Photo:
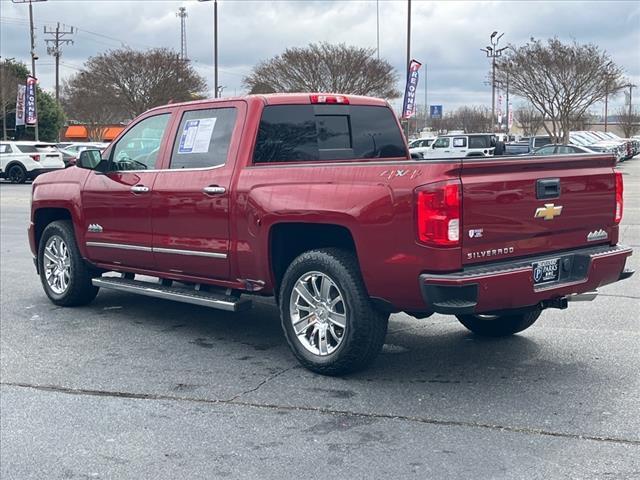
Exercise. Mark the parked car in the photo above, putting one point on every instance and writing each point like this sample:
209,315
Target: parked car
560,149
69,157
314,199
461,145
526,145
420,145
22,161
593,142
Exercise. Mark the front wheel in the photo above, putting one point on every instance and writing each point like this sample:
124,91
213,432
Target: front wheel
499,325
327,316
65,276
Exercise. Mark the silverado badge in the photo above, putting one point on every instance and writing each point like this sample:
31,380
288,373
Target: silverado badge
548,211
94,228
597,235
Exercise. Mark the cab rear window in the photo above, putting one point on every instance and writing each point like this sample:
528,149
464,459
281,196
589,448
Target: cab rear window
300,133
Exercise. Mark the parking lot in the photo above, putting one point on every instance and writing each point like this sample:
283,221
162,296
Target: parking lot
134,387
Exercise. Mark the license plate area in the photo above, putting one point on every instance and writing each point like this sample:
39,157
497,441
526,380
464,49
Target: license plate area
545,271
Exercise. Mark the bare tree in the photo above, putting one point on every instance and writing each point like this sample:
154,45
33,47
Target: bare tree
529,119
629,120
133,81
472,119
323,67
560,80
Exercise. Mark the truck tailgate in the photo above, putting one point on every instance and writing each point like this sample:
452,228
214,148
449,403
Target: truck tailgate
522,206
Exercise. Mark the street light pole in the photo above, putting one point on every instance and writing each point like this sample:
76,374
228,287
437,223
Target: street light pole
493,52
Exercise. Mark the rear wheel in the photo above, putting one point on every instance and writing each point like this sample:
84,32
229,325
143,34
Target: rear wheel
17,174
65,276
499,325
327,316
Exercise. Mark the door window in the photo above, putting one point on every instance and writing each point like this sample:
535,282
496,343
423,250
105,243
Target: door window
460,142
138,148
441,143
203,138
5,148
563,149
549,150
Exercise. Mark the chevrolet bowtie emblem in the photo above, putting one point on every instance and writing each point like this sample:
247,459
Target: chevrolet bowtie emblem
548,211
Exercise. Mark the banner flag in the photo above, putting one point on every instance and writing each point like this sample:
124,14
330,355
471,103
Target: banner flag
20,105
499,109
409,104
31,114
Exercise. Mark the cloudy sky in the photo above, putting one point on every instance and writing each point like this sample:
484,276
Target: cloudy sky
446,36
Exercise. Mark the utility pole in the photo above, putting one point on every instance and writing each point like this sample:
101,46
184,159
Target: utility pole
493,52
215,46
182,14
34,56
408,53
378,29
55,50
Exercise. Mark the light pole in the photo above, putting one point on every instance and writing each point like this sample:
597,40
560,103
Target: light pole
215,46
493,52
34,57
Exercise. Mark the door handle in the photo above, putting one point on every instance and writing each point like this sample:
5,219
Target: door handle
140,189
214,190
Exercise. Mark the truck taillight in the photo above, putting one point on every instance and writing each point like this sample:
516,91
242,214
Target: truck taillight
329,99
438,213
619,197
35,158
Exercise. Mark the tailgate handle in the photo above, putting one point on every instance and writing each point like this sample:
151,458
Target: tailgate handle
547,188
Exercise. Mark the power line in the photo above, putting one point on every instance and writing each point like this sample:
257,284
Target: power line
53,48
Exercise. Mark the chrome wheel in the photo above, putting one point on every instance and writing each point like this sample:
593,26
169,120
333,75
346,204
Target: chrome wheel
57,265
318,313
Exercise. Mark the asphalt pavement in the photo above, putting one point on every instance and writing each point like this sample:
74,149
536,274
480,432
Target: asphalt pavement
133,387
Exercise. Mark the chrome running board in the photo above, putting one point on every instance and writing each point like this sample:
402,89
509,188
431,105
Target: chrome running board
222,300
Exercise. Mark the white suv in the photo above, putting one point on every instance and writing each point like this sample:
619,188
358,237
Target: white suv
463,145
420,145
22,161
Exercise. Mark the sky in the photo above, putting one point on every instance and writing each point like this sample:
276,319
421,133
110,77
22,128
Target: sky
445,36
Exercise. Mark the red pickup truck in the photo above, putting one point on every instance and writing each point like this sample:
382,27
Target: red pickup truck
314,199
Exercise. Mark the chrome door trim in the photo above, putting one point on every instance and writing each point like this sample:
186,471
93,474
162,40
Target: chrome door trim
195,253
122,246
175,251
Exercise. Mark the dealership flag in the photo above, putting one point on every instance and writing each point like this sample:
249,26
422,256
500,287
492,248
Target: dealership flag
31,115
499,109
510,119
409,105
20,105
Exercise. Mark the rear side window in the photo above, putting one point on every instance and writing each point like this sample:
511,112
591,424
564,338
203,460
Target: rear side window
203,138
479,142
294,133
460,142
5,148
27,148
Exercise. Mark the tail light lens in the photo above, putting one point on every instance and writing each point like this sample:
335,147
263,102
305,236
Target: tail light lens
438,213
35,158
619,197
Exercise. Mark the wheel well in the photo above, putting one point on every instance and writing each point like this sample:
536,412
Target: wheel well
288,240
44,216
15,162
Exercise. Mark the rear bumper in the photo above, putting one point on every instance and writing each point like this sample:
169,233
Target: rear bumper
510,285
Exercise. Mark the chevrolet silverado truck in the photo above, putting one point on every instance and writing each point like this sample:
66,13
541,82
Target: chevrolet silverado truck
314,199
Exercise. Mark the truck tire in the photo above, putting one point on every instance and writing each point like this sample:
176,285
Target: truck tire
499,325
17,174
65,276
327,316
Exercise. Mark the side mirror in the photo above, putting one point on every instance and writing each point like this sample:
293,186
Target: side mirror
89,159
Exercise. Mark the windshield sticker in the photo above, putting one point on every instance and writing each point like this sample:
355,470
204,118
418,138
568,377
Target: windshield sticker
196,135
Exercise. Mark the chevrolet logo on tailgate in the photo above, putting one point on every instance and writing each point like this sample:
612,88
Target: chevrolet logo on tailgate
548,212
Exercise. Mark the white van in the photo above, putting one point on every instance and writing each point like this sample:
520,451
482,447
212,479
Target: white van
465,145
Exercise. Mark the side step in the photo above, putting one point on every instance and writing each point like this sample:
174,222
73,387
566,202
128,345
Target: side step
220,300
